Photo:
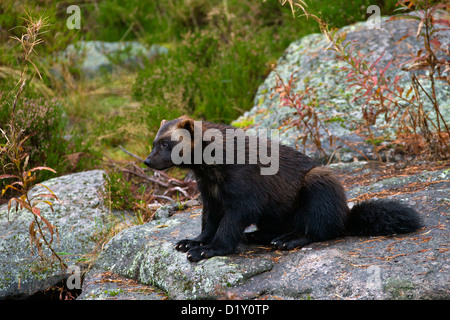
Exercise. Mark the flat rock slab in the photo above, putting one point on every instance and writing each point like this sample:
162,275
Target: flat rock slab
141,263
96,57
105,285
411,266
146,253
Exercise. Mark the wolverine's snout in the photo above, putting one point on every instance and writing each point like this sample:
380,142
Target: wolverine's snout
148,162
157,162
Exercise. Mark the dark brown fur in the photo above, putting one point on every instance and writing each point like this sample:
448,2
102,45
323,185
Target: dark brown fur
300,204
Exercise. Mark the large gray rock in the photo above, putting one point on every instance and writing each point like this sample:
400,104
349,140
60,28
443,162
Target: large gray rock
411,266
105,285
79,217
141,263
146,253
320,70
94,58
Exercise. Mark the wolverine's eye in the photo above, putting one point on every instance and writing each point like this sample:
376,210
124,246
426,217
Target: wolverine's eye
164,144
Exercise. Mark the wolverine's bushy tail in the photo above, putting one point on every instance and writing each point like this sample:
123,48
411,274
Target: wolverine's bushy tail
382,217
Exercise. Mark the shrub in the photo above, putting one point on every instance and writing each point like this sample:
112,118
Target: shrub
215,70
382,96
117,193
225,52
45,122
14,158
204,77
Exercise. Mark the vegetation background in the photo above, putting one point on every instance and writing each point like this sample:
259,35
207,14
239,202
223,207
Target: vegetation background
219,53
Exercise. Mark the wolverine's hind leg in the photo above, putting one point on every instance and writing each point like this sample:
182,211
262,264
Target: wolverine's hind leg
321,214
290,241
268,227
259,237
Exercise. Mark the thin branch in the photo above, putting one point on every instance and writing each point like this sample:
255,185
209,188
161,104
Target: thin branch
131,154
166,185
48,244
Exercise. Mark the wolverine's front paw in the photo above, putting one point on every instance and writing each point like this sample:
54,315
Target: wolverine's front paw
186,245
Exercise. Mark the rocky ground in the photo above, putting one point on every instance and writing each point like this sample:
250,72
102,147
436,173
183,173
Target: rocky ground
412,266
140,262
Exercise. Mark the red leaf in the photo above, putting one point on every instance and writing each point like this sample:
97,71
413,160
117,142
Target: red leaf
385,68
45,195
374,80
437,7
378,60
36,211
442,21
51,228
435,42
19,201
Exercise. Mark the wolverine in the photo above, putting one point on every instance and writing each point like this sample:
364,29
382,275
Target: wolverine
297,203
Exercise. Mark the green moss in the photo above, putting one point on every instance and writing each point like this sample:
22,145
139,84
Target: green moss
399,289
243,123
113,293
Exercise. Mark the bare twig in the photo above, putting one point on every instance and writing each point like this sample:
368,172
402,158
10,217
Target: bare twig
131,154
163,197
145,177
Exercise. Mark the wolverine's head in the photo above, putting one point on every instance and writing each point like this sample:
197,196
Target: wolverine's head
196,144
161,156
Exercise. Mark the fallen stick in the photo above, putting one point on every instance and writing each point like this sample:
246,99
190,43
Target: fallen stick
166,185
131,154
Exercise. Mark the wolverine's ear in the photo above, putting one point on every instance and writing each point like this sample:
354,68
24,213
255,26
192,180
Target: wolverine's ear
187,123
163,122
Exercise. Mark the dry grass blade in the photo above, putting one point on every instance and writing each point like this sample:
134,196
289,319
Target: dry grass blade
39,85
28,41
40,168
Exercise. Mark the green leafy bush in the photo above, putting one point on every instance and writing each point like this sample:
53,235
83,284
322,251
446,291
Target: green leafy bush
204,77
45,122
117,193
213,72
225,52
